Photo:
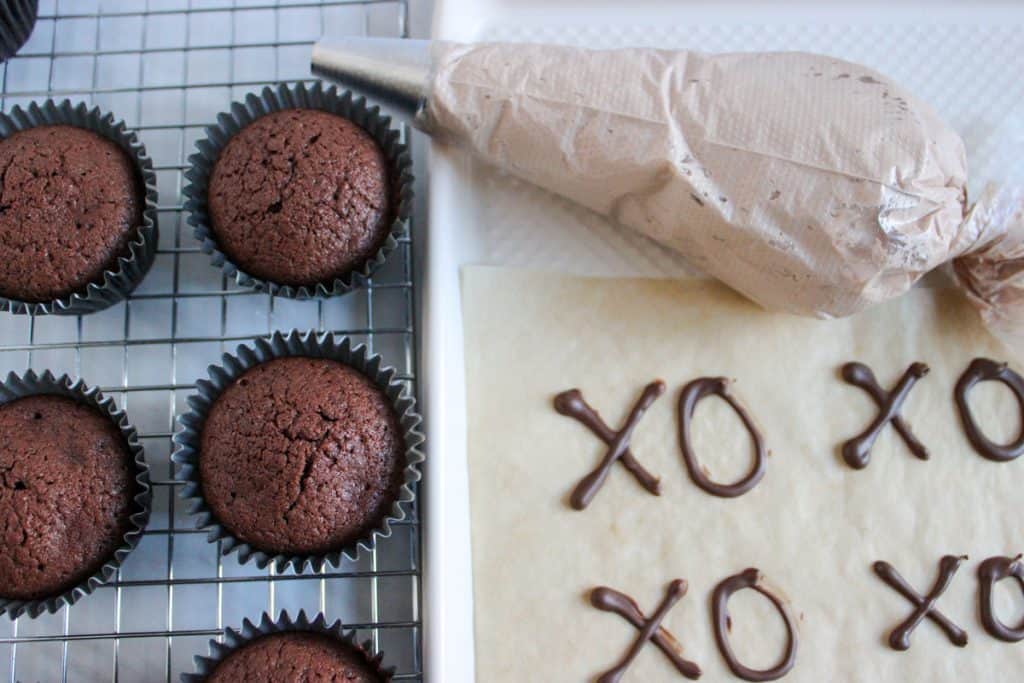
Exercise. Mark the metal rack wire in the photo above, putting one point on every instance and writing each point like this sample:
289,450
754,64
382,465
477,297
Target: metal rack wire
168,67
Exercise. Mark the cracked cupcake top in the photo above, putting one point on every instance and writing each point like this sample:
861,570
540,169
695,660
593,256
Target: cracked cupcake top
70,201
295,657
301,456
66,487
300,197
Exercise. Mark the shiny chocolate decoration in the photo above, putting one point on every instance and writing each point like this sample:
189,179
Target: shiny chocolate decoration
857,451
611,600
750,578
984,370
691,396
924,606
571,404
992,570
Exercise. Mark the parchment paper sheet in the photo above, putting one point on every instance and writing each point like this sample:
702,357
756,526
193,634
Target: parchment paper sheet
813,525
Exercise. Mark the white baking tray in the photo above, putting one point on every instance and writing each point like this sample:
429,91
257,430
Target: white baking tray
965,57
167,67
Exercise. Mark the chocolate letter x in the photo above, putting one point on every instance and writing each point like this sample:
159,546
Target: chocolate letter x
857,451
899,639
571,403
611,600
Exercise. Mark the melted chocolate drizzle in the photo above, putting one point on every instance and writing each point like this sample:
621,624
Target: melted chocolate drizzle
857,451
750,578
983,370
571,404
611,600
924,606
992,570
691,396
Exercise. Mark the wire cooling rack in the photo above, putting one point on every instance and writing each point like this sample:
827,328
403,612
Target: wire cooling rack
167,67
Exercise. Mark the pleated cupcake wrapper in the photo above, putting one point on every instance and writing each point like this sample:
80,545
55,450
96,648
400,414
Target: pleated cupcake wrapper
17,19
117,282
304,344
234,639
298,96
30,384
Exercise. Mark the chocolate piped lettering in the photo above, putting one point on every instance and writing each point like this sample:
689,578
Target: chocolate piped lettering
984,370
750,578
991,571
691,396
924,606
611,600
571,404
857,451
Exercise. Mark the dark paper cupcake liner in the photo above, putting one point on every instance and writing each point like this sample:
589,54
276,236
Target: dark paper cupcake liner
307,344
17,19
234,639
298,96
20,386
116,282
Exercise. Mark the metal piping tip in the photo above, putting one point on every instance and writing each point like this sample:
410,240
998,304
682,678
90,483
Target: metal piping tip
392,70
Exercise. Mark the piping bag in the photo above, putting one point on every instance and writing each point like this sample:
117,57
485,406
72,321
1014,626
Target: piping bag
809,184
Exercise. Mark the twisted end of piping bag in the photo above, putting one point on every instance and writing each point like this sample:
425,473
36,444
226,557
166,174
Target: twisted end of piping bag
992,272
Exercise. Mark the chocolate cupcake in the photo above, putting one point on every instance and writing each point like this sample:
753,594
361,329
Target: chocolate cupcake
296,657
299,450
71,203
300,196
77,210
300,456
289,651
300,192
17,19
74,491
67,486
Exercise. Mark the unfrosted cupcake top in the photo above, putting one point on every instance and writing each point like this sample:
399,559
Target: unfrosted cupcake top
297,657
300,197
66,490
301,456
70,202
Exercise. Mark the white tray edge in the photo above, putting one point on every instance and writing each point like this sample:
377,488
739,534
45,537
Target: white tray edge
448,576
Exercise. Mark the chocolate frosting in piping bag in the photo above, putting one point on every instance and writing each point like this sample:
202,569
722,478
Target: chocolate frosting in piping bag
809,184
